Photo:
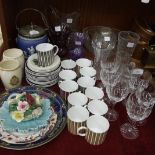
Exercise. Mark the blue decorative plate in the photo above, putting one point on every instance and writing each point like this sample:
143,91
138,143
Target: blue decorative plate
58,106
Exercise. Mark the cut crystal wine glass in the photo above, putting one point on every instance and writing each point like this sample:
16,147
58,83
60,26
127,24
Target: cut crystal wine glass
138,109
116,94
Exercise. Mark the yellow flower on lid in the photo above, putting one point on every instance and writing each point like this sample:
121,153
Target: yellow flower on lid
18,116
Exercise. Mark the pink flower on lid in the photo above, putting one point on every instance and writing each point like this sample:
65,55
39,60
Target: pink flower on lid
22,106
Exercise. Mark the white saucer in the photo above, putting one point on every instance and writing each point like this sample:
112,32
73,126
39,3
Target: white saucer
45,84
34,67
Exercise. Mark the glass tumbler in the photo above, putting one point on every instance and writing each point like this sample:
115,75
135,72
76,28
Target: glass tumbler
127,41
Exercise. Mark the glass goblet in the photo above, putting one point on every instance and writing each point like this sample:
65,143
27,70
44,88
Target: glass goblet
116,94
109,78
137,110
135,78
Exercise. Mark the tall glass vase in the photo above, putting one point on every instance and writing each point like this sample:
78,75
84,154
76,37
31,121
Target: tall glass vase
127,42
101,41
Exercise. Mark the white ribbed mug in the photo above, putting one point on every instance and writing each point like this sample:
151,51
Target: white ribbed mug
11,74
15,54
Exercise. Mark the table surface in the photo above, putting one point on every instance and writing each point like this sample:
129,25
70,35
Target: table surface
114,144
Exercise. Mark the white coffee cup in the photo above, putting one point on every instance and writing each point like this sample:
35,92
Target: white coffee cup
68,64
76,117
95,130
97,107
83,62
46,53
85,82
77,98
67,87
11,74
88,71
16,54
67,75
94,93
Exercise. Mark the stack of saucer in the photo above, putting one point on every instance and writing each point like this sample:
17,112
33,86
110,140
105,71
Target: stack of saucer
42,76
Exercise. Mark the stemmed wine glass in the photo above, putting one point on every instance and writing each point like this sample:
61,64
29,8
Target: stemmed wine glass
144,82
138,109
135,78
116,93
109,79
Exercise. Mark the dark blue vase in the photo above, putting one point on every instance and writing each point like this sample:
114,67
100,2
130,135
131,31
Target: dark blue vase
76,53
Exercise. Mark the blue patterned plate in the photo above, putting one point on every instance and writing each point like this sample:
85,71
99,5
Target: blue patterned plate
59,108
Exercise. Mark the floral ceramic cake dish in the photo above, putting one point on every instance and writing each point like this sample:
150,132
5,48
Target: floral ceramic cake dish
30,115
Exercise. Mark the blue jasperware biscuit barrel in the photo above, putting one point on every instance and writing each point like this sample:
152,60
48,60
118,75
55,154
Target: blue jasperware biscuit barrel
29,36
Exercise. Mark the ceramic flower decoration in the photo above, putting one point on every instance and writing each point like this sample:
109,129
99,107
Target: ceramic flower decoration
25,106
17,115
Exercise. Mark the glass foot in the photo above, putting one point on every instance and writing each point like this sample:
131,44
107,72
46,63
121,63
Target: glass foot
111,115
129,131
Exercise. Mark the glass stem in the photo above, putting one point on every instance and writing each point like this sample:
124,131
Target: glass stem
112,105
133,123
